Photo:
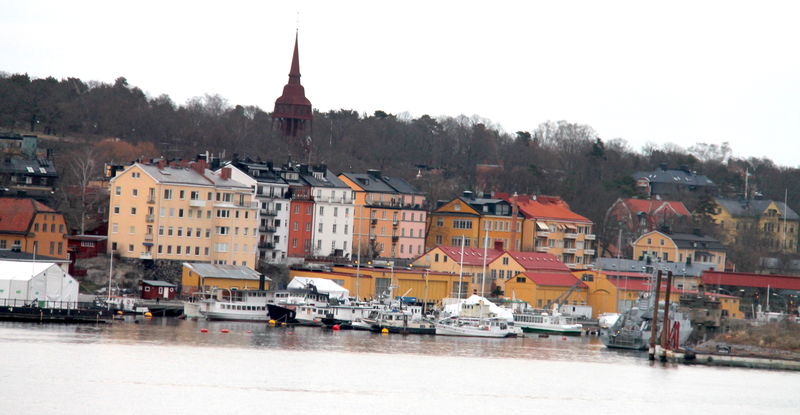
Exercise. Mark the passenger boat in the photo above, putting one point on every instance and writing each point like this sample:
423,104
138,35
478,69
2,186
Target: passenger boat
243,305
548,322
345,315
474,327
297,306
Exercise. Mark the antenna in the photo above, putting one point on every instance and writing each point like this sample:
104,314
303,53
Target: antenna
297,23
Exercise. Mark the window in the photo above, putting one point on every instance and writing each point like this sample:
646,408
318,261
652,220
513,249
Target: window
334,228
114,227
180,213
505,260
117,191
130,248
320,227
223,213
438,239
169,249
345,229
133,211
169,231
194,195
178,250
321,209
308,227
462,224
180,230
36,227
223,230
182,195
134,192
167,194
160,249
161,230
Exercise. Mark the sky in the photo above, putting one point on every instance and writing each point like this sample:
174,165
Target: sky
678,72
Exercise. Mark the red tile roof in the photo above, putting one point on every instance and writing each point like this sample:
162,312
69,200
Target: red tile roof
638,284
538,261
16,215
651,206
558,279
741,279
472,256
544,207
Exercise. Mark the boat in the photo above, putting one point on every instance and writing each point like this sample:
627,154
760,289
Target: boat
399,321
241,305
475,320
545,321
348,316
633,328
297,306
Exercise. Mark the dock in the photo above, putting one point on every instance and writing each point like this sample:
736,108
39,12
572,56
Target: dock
72,313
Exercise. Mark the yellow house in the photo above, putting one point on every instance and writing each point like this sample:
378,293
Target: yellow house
182,212
680,247
32,227
206,277
541,289
775,223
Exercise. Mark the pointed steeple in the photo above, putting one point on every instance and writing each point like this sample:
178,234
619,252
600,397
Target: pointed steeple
293,109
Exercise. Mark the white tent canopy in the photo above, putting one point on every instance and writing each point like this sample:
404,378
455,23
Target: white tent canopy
324,286
454,309
26,282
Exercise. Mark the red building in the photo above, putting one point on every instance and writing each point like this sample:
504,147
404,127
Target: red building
152,289
86,246
301,219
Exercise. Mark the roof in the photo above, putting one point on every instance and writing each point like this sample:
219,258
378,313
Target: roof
16,215
18,256
472,256
374,181
156,283
544,207
692,241
611,265
87,237
186,175
329,180
16,270
558,279
674,176
238,272
654,206
538,261
29,167
741,279
754,208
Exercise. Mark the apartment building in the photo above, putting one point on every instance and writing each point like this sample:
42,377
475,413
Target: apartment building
389,218
770,223
688,248
473,217
30,226
333,212
182,212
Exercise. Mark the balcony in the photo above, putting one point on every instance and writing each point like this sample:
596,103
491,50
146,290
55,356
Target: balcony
150,218
395,223
266,245
571,235
571,265
151,201
146,255
270,229
570,250
373,222
542,248
589,237
197,203
148,237
542,234
268,212
395,238
588,251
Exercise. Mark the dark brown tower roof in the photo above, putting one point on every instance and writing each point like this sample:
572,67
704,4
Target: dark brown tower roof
293,109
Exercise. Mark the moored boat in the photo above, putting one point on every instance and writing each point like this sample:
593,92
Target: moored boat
474,327
548,322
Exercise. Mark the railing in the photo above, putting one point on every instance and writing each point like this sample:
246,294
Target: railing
266,245
271,229
570,250
395,223
589,236
373,222
197,203
66,305
542,248
150,218
262,228
146,255
571,265
269,212
588,251
543,234
151,201
571,235
395,238
148,237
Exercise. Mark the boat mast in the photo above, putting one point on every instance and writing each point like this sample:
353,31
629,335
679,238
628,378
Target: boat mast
485,249
461,267
358,261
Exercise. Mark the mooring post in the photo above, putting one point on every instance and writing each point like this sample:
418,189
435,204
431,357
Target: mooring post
654,321
665,328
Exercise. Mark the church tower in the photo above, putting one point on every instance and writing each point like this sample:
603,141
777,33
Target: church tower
292,114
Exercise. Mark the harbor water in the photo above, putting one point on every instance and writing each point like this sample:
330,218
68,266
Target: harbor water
168,366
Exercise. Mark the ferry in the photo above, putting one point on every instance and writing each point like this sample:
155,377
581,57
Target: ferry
242,305
474,327
548,322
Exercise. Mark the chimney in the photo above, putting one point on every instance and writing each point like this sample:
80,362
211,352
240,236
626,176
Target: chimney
225,173
498,244
199,166
161,164
467,195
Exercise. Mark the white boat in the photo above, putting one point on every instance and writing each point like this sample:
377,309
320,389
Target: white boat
405,321
607,320
548,322
474,327
243,305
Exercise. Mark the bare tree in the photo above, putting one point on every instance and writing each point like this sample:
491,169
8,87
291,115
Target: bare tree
82,168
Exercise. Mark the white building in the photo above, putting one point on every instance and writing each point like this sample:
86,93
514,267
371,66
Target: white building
333,213
43,283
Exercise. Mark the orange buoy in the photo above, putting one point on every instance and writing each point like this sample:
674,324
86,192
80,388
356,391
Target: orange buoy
336,327
224,331
203,330
249,331
564,338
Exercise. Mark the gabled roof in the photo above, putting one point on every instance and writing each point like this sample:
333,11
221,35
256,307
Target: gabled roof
157,283
29,167
754,208
544,208
18,256
652,207
16,215
692,241
557,279
779,282
238,272
538,261
674,176
472,256
329,180
186,176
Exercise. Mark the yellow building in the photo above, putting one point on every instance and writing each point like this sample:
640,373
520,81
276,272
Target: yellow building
206,277
32,227
182,213
521,222
542,289
774,223
680,247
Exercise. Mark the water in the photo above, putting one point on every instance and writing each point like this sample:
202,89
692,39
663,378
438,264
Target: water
166,366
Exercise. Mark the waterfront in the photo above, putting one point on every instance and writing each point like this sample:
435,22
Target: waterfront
168,366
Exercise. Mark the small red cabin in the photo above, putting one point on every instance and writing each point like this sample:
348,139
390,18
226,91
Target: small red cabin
86,246
152,289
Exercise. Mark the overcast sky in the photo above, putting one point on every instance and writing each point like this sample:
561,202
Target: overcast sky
679,72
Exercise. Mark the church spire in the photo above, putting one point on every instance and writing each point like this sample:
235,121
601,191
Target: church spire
293,109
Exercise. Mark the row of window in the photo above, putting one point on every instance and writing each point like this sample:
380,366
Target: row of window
414,218
193,194
196,232
52,227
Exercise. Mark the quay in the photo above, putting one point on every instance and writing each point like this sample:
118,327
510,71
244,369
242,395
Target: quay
54,312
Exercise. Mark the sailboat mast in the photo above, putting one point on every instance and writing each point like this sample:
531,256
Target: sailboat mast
461,267
485,249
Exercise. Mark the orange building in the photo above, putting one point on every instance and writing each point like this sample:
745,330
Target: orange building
32,227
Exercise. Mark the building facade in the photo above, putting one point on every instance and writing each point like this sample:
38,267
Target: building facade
680,247
30,226
770,223
184,213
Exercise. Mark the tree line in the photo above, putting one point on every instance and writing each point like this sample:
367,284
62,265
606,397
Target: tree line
441,155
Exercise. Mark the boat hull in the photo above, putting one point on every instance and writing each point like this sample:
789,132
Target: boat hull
472,332
230,316
281,314
552,330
